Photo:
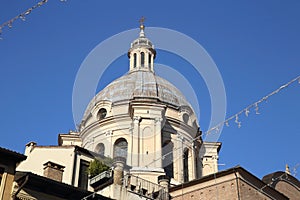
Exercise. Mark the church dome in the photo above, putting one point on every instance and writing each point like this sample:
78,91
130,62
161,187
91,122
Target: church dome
140,81
140,84
140,117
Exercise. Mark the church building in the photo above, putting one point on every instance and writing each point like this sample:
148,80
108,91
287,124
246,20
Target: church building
145,130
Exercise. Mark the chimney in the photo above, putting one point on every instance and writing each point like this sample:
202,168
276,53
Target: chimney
29,147
53,171
119,163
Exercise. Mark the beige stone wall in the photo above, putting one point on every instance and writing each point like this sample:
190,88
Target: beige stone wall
143,126
38,156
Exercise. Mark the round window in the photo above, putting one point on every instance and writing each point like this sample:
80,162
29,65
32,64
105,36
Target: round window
102,113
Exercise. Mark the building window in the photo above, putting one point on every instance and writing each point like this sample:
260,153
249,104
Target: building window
100,149
142,59
186,165
102,113
149,60
134,60
83,175
185,118
168,158
120,148
1,174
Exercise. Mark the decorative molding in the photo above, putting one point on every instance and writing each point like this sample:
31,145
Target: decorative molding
109,133
158,119
137,119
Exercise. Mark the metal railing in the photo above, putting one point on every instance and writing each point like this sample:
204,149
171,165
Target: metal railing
144,187
105,174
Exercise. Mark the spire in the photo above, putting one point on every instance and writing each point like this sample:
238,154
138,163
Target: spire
142,26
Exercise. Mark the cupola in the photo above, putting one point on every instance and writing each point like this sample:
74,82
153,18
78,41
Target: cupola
141,53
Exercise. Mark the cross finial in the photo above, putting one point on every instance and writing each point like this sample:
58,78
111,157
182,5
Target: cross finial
142,20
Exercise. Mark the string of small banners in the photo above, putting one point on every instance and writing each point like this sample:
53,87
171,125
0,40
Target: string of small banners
22,16
235,117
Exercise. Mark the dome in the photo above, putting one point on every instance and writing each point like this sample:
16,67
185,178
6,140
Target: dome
140,81
140,84
142,41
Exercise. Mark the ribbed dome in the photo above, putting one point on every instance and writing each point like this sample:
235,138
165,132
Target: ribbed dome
142,41
140,84
141,81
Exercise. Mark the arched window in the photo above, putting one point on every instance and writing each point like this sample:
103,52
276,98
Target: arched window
186,165
149,60
120,148
167,153
142,59
134,60
102,113
100,149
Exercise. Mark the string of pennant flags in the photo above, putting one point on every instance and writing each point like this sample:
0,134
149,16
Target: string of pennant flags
22,16
234,118
247,109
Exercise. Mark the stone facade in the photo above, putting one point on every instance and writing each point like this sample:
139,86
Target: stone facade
232,184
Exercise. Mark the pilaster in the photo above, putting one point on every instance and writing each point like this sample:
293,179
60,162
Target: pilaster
158,142
135,140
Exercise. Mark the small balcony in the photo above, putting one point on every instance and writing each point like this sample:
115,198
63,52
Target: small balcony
100,179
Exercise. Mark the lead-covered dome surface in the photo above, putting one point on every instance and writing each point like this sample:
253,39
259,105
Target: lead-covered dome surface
141,81
140,84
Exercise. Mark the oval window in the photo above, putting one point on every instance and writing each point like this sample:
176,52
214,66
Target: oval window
185,118
102,113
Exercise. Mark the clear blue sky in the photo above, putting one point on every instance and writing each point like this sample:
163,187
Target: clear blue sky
255,44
